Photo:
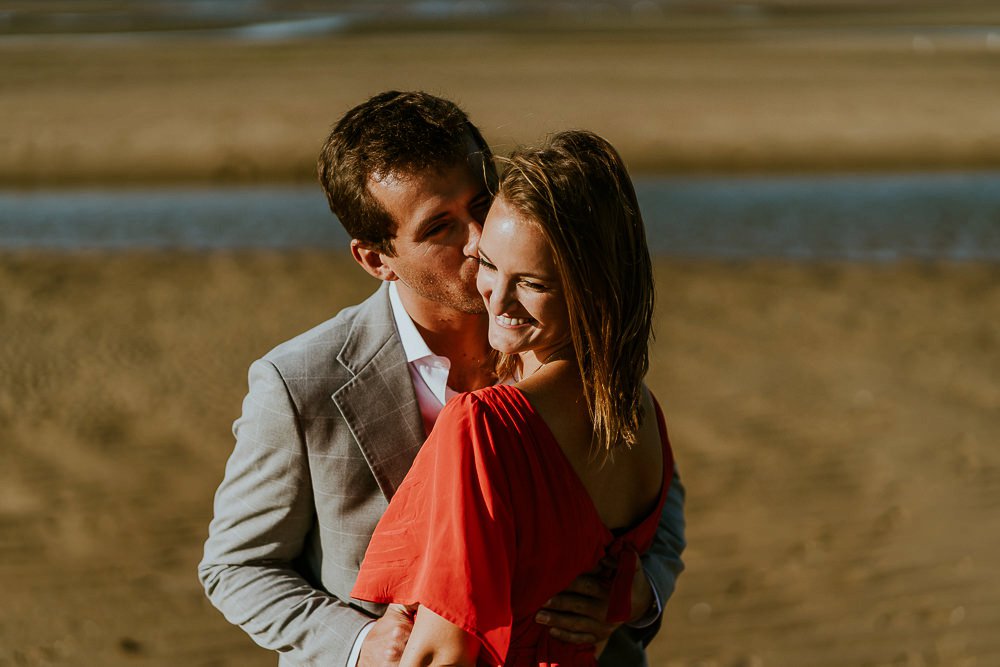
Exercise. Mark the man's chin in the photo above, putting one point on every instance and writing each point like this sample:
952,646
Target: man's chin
460,302
470,302
474,307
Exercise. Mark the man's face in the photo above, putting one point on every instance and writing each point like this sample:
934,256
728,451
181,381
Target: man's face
439,218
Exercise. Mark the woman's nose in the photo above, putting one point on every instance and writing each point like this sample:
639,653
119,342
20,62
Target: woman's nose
500,298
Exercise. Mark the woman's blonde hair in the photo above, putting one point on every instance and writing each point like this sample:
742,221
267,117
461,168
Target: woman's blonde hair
576,189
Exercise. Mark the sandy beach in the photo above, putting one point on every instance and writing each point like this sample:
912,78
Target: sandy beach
835,425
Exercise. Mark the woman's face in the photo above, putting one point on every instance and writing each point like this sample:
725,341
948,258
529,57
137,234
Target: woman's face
520,286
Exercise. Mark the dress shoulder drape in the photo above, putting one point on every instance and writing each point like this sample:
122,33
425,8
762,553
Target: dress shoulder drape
490,522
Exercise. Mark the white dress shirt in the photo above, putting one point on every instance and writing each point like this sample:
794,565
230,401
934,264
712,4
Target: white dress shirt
428,371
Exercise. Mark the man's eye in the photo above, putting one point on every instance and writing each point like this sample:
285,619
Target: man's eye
436,229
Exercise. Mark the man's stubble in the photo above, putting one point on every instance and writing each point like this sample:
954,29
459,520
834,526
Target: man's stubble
458,293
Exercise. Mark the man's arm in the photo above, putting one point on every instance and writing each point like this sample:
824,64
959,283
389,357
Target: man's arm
578,614
662,564
264,509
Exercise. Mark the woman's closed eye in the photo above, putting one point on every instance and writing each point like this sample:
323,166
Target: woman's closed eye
530,284
486,264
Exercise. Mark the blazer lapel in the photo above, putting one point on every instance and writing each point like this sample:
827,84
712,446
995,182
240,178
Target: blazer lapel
378,403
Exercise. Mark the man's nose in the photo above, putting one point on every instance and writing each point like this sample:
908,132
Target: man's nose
475,232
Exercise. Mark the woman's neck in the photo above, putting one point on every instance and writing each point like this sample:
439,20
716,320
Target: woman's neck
533,361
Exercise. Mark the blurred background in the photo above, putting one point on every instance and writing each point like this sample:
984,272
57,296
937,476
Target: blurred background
820,181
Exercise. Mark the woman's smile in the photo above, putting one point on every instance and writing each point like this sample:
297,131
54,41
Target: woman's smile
513,322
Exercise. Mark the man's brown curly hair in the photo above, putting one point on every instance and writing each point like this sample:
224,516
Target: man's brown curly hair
394,132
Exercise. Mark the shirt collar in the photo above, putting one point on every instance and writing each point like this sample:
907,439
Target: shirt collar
413,343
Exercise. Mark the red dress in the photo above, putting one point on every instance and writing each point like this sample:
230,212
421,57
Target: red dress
490,522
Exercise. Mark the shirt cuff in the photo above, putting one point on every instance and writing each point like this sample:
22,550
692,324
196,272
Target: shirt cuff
352,660
652,614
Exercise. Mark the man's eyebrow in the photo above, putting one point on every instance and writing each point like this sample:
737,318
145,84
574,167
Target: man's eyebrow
483,196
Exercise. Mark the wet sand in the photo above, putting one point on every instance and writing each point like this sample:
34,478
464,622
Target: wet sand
835,425
717,90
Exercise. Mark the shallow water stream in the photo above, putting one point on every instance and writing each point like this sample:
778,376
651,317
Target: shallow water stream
858,217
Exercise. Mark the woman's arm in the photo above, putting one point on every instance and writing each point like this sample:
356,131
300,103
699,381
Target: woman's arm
435,641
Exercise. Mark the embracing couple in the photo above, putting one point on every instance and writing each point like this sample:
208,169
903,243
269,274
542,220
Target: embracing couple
466,468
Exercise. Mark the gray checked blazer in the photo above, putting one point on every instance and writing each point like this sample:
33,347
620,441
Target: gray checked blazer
330,426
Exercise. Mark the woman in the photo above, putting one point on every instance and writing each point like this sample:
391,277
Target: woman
522,487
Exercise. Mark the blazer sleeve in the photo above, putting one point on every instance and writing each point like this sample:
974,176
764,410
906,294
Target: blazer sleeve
264,509
662,563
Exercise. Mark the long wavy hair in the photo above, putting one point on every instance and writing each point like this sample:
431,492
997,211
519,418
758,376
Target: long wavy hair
577,190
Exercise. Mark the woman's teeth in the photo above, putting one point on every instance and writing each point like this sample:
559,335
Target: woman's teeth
512,321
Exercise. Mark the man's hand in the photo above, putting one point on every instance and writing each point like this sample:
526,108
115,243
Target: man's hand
386,640
642,595
579,614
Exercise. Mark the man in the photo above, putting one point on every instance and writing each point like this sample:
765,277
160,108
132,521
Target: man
335,416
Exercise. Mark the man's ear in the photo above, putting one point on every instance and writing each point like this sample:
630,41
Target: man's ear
371,261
